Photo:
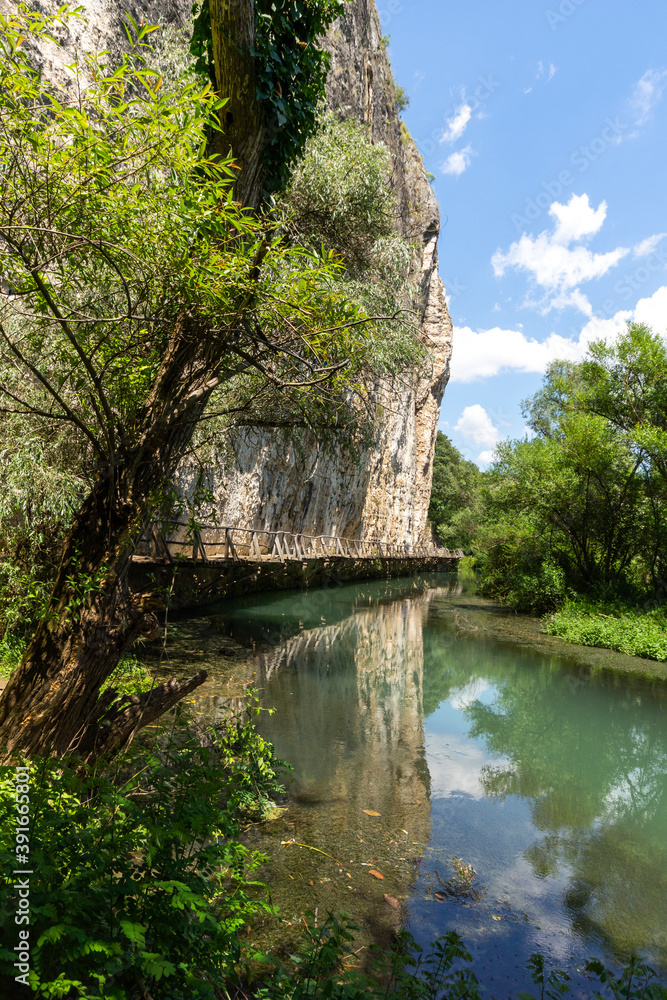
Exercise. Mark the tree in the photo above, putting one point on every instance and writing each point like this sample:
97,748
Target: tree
625,382
569,508
455,496
266,55
134,286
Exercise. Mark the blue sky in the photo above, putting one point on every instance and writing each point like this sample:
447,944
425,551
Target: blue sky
545,125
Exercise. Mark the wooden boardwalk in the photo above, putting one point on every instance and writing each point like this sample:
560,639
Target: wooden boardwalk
212,544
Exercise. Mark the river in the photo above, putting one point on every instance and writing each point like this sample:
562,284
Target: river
453,768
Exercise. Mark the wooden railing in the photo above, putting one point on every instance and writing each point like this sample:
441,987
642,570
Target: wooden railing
210,543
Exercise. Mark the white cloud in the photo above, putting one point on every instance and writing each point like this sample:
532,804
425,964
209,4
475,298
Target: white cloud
550,73
457,163
553,266
599,328
653,311
463,697
486,457
648,245
577,219
551,262
476,425
457,124
575,299
485,353
646,94
542,71
455,766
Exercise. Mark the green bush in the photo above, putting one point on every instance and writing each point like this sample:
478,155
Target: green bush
338,201
611,626
130,677
338,193
11,651
141,885
519,569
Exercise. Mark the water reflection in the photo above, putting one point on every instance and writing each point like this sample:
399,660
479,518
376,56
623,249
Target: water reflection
350,717
348,700
589,759
463,730
593,765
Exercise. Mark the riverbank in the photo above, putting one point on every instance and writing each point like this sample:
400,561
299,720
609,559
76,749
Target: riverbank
502,624
611,625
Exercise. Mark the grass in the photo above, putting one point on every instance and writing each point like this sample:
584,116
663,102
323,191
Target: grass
131,676
636,631
11,651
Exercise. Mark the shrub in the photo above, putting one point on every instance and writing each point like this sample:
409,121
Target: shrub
338,193
402,99
143,885
519,570
611,626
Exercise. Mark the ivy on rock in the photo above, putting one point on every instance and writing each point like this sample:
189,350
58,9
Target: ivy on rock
290,72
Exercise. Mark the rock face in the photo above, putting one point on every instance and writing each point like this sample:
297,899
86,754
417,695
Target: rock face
266,482
260,479
100,29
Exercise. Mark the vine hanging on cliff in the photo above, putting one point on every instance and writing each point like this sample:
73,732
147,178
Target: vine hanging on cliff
291,70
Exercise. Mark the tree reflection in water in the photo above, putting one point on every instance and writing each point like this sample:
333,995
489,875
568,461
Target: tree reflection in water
590,756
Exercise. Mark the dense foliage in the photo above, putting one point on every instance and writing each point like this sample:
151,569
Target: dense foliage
455,507
637,631
572,520
581,507
291,69
143,885
338,201
128,223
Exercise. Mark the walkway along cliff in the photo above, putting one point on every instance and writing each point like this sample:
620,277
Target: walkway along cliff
260,480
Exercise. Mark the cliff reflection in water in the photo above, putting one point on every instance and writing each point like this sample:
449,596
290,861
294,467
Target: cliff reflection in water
472,735
351,720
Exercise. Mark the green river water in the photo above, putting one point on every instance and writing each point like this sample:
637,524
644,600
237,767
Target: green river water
430,730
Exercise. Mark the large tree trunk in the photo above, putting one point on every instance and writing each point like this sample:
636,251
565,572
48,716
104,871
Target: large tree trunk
51,703
233,30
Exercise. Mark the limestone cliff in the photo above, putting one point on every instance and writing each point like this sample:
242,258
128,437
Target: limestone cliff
260,479
384,494
98,29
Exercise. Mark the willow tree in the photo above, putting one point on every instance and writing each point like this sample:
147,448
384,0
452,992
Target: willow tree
135,283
